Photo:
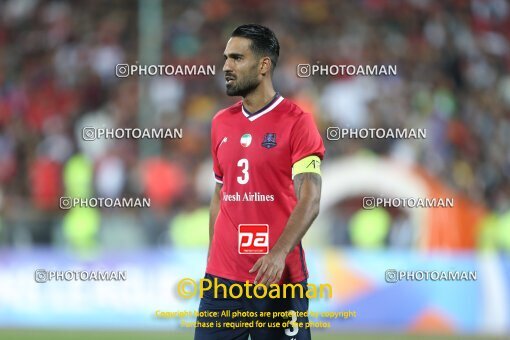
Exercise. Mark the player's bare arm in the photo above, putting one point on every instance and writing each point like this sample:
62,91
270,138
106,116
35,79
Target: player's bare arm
214,208
307,187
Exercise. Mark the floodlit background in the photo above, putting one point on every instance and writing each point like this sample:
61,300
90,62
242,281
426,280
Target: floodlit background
57,75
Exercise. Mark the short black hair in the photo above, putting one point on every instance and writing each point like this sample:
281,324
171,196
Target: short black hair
263,41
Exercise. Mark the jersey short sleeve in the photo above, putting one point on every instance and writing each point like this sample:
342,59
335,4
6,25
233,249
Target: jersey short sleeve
305,139
218,173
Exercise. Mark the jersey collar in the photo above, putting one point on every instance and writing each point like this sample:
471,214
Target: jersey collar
266,109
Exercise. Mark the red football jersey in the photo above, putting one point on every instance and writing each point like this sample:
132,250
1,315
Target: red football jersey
253,154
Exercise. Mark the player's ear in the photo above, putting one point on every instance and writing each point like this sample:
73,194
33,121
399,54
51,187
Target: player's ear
265,65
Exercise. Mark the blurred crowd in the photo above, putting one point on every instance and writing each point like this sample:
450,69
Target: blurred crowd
57,75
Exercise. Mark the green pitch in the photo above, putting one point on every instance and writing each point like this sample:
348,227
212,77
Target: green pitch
135,335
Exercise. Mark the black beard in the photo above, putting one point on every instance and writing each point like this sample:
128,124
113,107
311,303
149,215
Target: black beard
242,88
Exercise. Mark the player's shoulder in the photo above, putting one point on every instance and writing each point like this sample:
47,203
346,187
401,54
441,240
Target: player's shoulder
228,111
293,111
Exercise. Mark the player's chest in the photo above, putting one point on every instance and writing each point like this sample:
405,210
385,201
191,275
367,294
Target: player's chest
262,146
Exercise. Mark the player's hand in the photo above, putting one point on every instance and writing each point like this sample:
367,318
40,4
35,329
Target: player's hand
270,267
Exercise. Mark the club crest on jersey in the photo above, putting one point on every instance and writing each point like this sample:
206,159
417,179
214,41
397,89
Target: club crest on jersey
246,140
269,140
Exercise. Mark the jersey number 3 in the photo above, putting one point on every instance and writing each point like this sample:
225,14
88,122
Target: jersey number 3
244,165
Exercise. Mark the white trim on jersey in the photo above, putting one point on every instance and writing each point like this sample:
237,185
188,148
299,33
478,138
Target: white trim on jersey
260,114
216,179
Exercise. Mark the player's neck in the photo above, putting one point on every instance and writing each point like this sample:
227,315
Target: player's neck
258,98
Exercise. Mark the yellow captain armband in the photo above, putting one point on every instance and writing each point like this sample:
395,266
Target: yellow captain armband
307,164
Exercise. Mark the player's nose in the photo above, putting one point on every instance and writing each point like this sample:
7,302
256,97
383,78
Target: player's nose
227,66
